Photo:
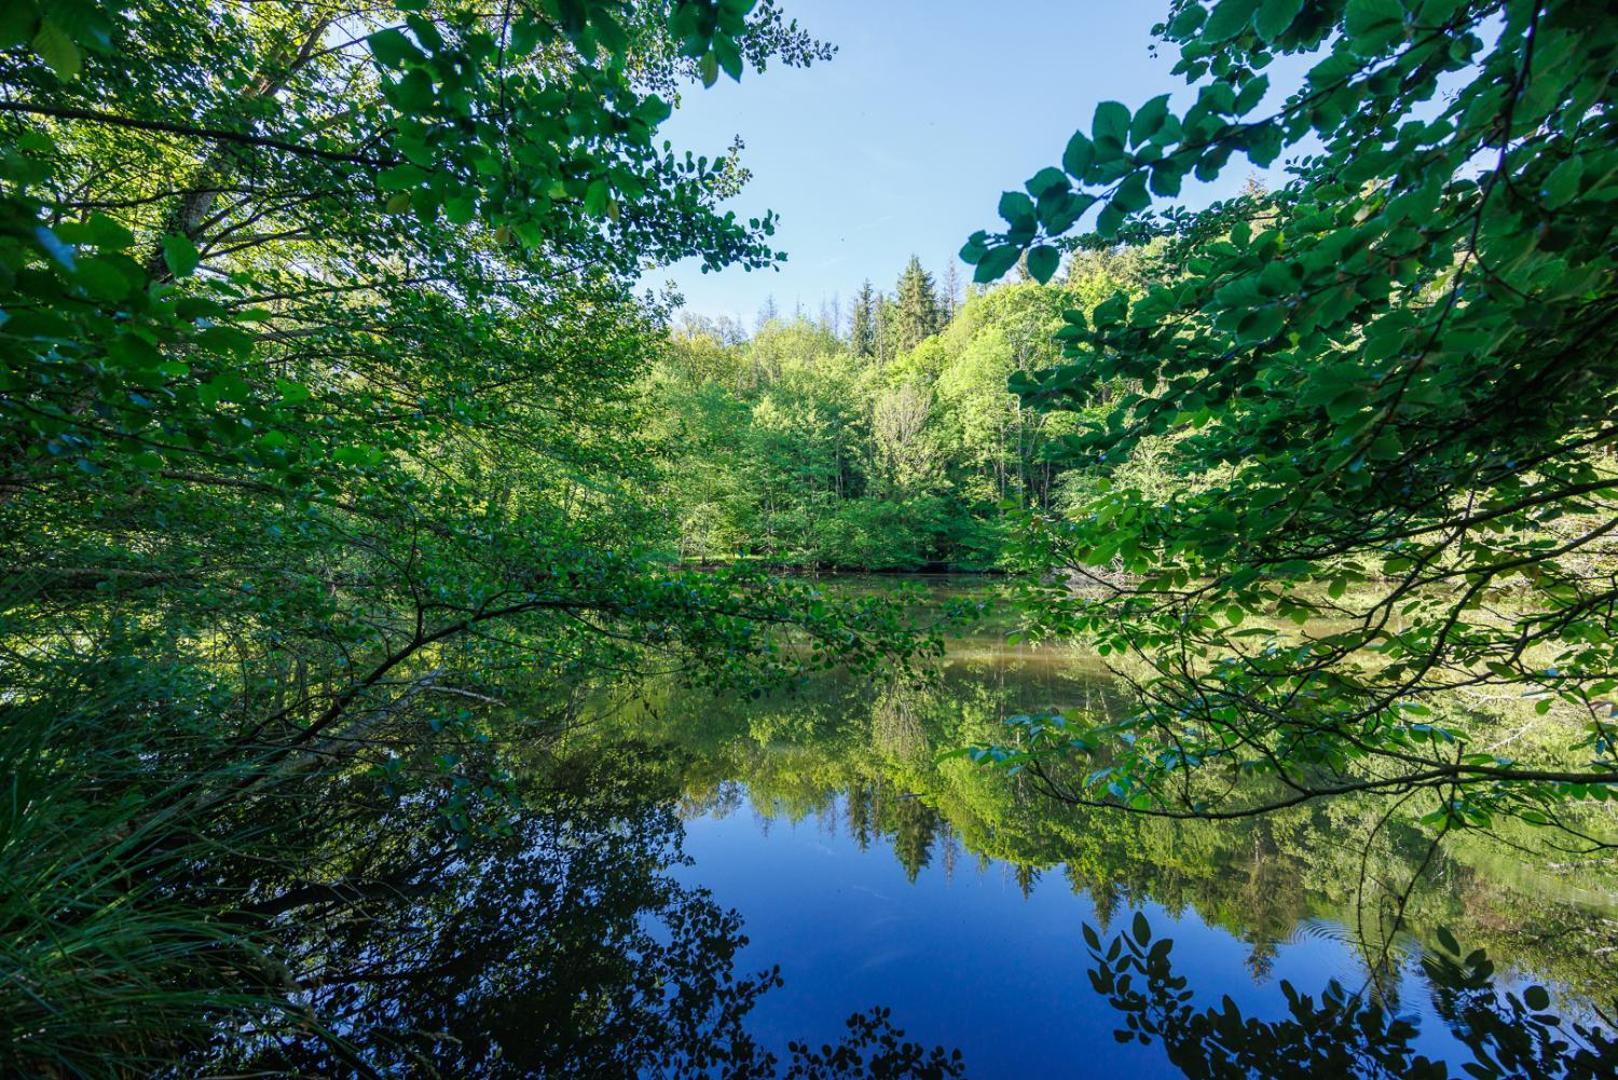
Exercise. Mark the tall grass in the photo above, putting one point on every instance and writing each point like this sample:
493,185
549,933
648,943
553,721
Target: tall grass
113,959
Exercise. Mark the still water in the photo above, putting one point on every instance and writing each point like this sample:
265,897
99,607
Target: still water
700,884
872,874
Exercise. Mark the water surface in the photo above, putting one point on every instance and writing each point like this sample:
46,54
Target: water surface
690,883
873,874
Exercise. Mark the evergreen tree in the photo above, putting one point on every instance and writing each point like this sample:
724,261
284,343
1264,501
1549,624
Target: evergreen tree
885,329
862,335
915,314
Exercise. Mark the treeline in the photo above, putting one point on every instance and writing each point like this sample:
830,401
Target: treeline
884,441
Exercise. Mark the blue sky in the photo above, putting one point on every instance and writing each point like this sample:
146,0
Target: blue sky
904,141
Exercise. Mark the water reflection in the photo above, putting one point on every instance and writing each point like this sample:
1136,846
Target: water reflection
564,947
702,886
796,804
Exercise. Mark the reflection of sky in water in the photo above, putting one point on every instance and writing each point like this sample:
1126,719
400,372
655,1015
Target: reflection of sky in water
963,958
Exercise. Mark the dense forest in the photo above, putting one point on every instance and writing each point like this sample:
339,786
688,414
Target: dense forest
353,494
887,440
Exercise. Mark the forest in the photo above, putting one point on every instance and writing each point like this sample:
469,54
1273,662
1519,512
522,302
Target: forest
884,441
425,650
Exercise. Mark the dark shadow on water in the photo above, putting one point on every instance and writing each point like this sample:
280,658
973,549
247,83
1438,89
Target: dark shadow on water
564,947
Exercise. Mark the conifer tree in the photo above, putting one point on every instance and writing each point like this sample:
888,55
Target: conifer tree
915,313
862,334
884,324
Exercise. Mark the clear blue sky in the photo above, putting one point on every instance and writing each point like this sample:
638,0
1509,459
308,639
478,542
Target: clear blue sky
904,141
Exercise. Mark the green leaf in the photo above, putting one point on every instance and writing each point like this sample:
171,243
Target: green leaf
525,34
995,262
1189,19
180,254
730,58
1110,129
1372,25
292,393
1562,185
1274,16
1251,94
102,280
392,48
1017,209
1047,181
460,209
1149,120
1166,177
1131,195
1537,998
1042,263
1059,213
597,198
1228,18
401,177
1109,221
1260,324
1079,154
19,21
56,48
109,235
1142,929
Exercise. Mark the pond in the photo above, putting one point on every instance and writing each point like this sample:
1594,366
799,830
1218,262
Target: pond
712,884
873,874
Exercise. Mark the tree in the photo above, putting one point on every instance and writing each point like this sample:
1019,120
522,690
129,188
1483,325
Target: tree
904,458
862,335
831,316
886,328
768,313
915,314
1395,376
949,296
320,409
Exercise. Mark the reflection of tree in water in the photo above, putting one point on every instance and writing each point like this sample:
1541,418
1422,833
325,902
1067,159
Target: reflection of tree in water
875,809
897,726
914,825
562,948
860,803
1261,880
1338,1033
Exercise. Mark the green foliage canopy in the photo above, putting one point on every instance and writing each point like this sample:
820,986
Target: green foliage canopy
1396,379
